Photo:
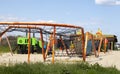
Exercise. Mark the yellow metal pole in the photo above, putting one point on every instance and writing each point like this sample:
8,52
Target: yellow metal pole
53,50
43,52
29,46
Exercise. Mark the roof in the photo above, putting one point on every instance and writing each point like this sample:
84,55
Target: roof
111,38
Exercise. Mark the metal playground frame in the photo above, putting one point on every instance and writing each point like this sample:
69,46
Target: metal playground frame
54,30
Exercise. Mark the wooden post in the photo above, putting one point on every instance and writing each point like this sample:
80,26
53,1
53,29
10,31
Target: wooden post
93,45
53,50
100,46
85,48
29,46
43,52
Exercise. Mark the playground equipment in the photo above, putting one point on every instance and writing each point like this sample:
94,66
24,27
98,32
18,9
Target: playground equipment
52,30
89,44
65,37
22,42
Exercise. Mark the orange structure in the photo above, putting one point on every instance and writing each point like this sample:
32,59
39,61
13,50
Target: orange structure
90,36
55,30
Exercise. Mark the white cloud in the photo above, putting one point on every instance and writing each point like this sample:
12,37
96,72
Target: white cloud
18,19
46,21
11,18
107,2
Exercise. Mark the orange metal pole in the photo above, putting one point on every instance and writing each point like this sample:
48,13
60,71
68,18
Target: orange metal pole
4,31
105,45
39,23
48,45
83,45
85,48
53,50
93,45
29,46
43,52
63,44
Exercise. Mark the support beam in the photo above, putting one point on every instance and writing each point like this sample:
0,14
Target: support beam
62,42
105,45
48,45
53,50
4,31
100,44
83,45
29,46
9,44
93,45
85,48
39,24
43,52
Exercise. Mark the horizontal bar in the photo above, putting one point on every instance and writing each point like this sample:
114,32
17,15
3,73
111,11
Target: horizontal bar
40,24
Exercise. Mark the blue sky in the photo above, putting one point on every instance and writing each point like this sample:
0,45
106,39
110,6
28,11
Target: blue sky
90,14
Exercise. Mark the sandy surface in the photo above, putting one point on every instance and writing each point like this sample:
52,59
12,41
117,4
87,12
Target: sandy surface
111,58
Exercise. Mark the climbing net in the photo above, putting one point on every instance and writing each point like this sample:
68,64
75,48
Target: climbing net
57,36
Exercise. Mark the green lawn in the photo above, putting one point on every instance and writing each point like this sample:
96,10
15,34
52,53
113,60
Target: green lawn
58,68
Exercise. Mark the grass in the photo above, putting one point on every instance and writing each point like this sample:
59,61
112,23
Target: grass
58,68
4,49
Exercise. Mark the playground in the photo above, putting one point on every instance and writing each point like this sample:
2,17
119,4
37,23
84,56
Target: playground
57,43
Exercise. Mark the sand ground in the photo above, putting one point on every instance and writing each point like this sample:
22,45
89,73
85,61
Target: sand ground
111,58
